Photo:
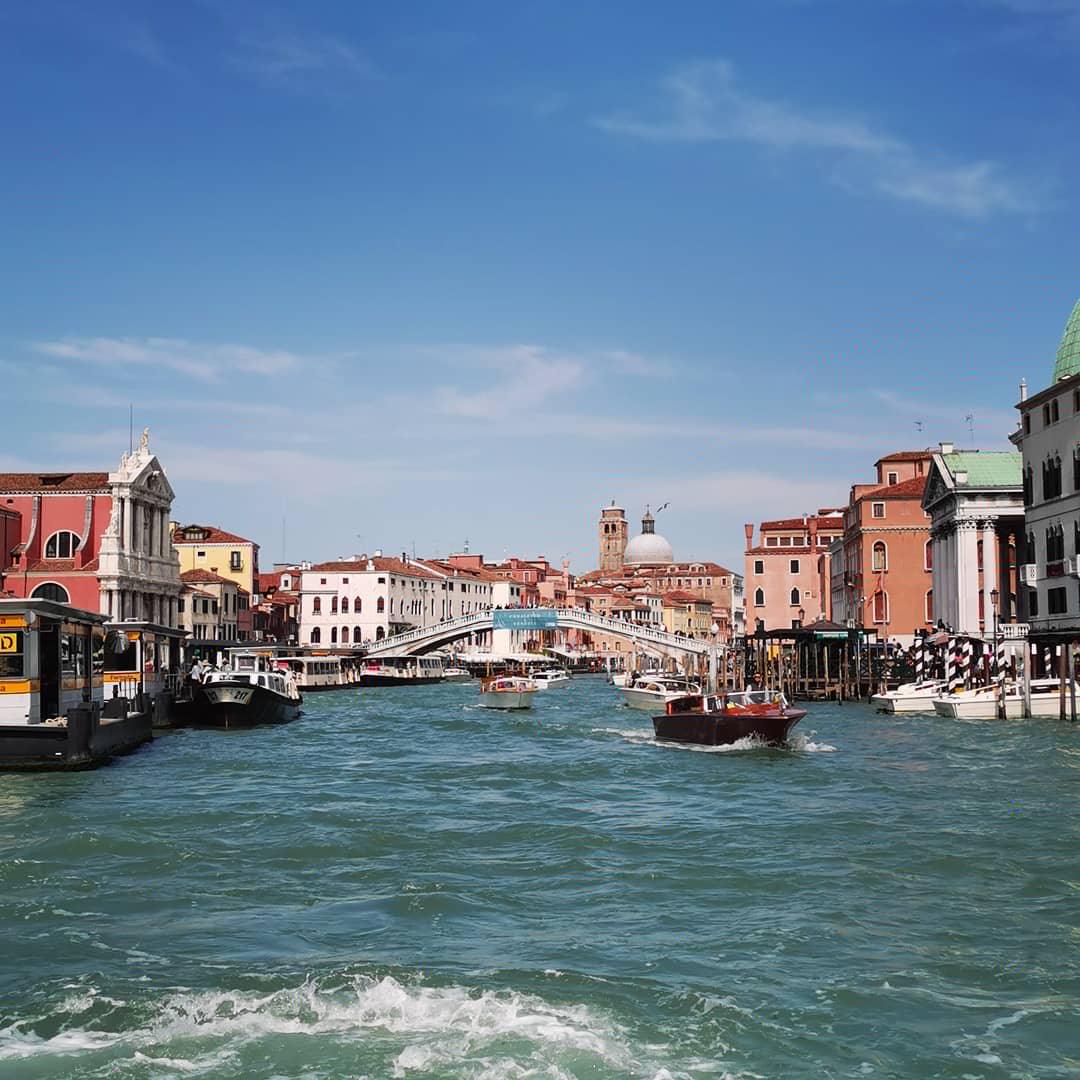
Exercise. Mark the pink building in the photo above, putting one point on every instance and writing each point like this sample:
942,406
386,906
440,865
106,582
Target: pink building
97,540
785,571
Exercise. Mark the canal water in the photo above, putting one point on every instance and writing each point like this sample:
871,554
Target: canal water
401,884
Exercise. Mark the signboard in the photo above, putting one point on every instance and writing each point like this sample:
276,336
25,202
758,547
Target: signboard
9,642
525,619
1014,630
830,635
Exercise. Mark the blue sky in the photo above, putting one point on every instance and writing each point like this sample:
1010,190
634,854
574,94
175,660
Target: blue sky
409,274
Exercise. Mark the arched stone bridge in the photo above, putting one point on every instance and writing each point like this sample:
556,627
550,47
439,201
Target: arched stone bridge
425,639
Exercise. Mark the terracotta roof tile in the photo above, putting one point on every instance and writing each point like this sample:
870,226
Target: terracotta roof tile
214,536
382,564
204,577
17,483
827,524
906,489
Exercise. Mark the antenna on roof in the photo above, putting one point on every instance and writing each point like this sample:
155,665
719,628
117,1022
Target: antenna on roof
970,418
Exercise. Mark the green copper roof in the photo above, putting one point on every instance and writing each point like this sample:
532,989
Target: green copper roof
1068,354
987,469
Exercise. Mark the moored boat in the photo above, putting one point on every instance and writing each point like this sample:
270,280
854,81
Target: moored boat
456,674
910,697
507,692
722,719
983,702
401,671
253,692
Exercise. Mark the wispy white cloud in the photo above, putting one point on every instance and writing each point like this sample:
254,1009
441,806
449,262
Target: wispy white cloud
207,362
704,102
301,59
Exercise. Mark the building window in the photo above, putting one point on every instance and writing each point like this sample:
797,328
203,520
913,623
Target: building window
344,605
316,605
794,566
333,605
357,635
759,598
1033,603
316,635
1027,423
1076,468
785,541
180,606
1028,486
380,605
881,607
1055,544
1057,602
879,557
794,598
892,479
1054,411
930,605
200,554
877,510
61,545
51,591
759,566
234,560
356,605
1051,472
771,541
928,555
344,635
333,635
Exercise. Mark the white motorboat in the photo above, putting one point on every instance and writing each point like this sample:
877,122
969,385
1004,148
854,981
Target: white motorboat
550,678
507,692
457,674
910,697
654,692
622,679
982,702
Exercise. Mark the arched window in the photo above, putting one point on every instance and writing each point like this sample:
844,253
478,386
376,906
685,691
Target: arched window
357,634
879,557
344,605
380,633
316,635
928,555
356,605
333,635
344,635
61,545
794,597
930,606
333,605
881,607
316,605
380,605
759,598
1029,486
51,591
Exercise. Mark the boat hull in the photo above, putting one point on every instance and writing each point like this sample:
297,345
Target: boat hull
907,704
507,699
368,679
724,728
241,705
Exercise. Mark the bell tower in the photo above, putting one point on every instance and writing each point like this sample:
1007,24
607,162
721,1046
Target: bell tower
614,534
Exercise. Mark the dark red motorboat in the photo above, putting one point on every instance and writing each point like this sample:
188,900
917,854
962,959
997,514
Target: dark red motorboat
721,719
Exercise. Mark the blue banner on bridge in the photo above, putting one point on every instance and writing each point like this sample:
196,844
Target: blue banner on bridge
525,619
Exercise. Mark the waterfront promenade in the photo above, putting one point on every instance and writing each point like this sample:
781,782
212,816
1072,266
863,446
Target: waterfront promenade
400,884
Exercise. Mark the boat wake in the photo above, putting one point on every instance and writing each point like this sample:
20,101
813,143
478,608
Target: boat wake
641,737
378,1026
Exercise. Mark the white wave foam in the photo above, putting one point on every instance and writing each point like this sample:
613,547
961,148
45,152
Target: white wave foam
495,1033
642,737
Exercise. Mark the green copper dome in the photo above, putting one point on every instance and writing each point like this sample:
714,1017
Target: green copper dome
1068,354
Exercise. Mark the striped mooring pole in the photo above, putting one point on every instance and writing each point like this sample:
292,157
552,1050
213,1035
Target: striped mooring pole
950,665
967,651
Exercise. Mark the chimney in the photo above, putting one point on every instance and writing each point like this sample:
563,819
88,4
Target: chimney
947,447
1023,389
749,529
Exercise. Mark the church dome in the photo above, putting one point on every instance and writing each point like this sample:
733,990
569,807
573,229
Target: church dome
650,548
1068,354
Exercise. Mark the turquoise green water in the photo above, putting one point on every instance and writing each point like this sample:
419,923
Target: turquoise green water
403,885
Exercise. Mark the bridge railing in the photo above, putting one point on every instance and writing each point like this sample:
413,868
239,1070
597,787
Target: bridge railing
483,620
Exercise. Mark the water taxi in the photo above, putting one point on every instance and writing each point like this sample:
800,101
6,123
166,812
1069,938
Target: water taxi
254,691
655,691
507,692
401,671
910,697
721,719
457,674
982,703
550,678
52,690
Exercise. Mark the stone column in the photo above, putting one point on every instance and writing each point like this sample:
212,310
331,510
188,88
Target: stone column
990,574
967,580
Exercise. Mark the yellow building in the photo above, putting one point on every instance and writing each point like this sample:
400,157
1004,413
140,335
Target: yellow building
687,614
206,547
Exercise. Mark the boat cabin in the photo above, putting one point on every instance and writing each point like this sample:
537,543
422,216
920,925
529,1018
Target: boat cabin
51,658
313,672
142,658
